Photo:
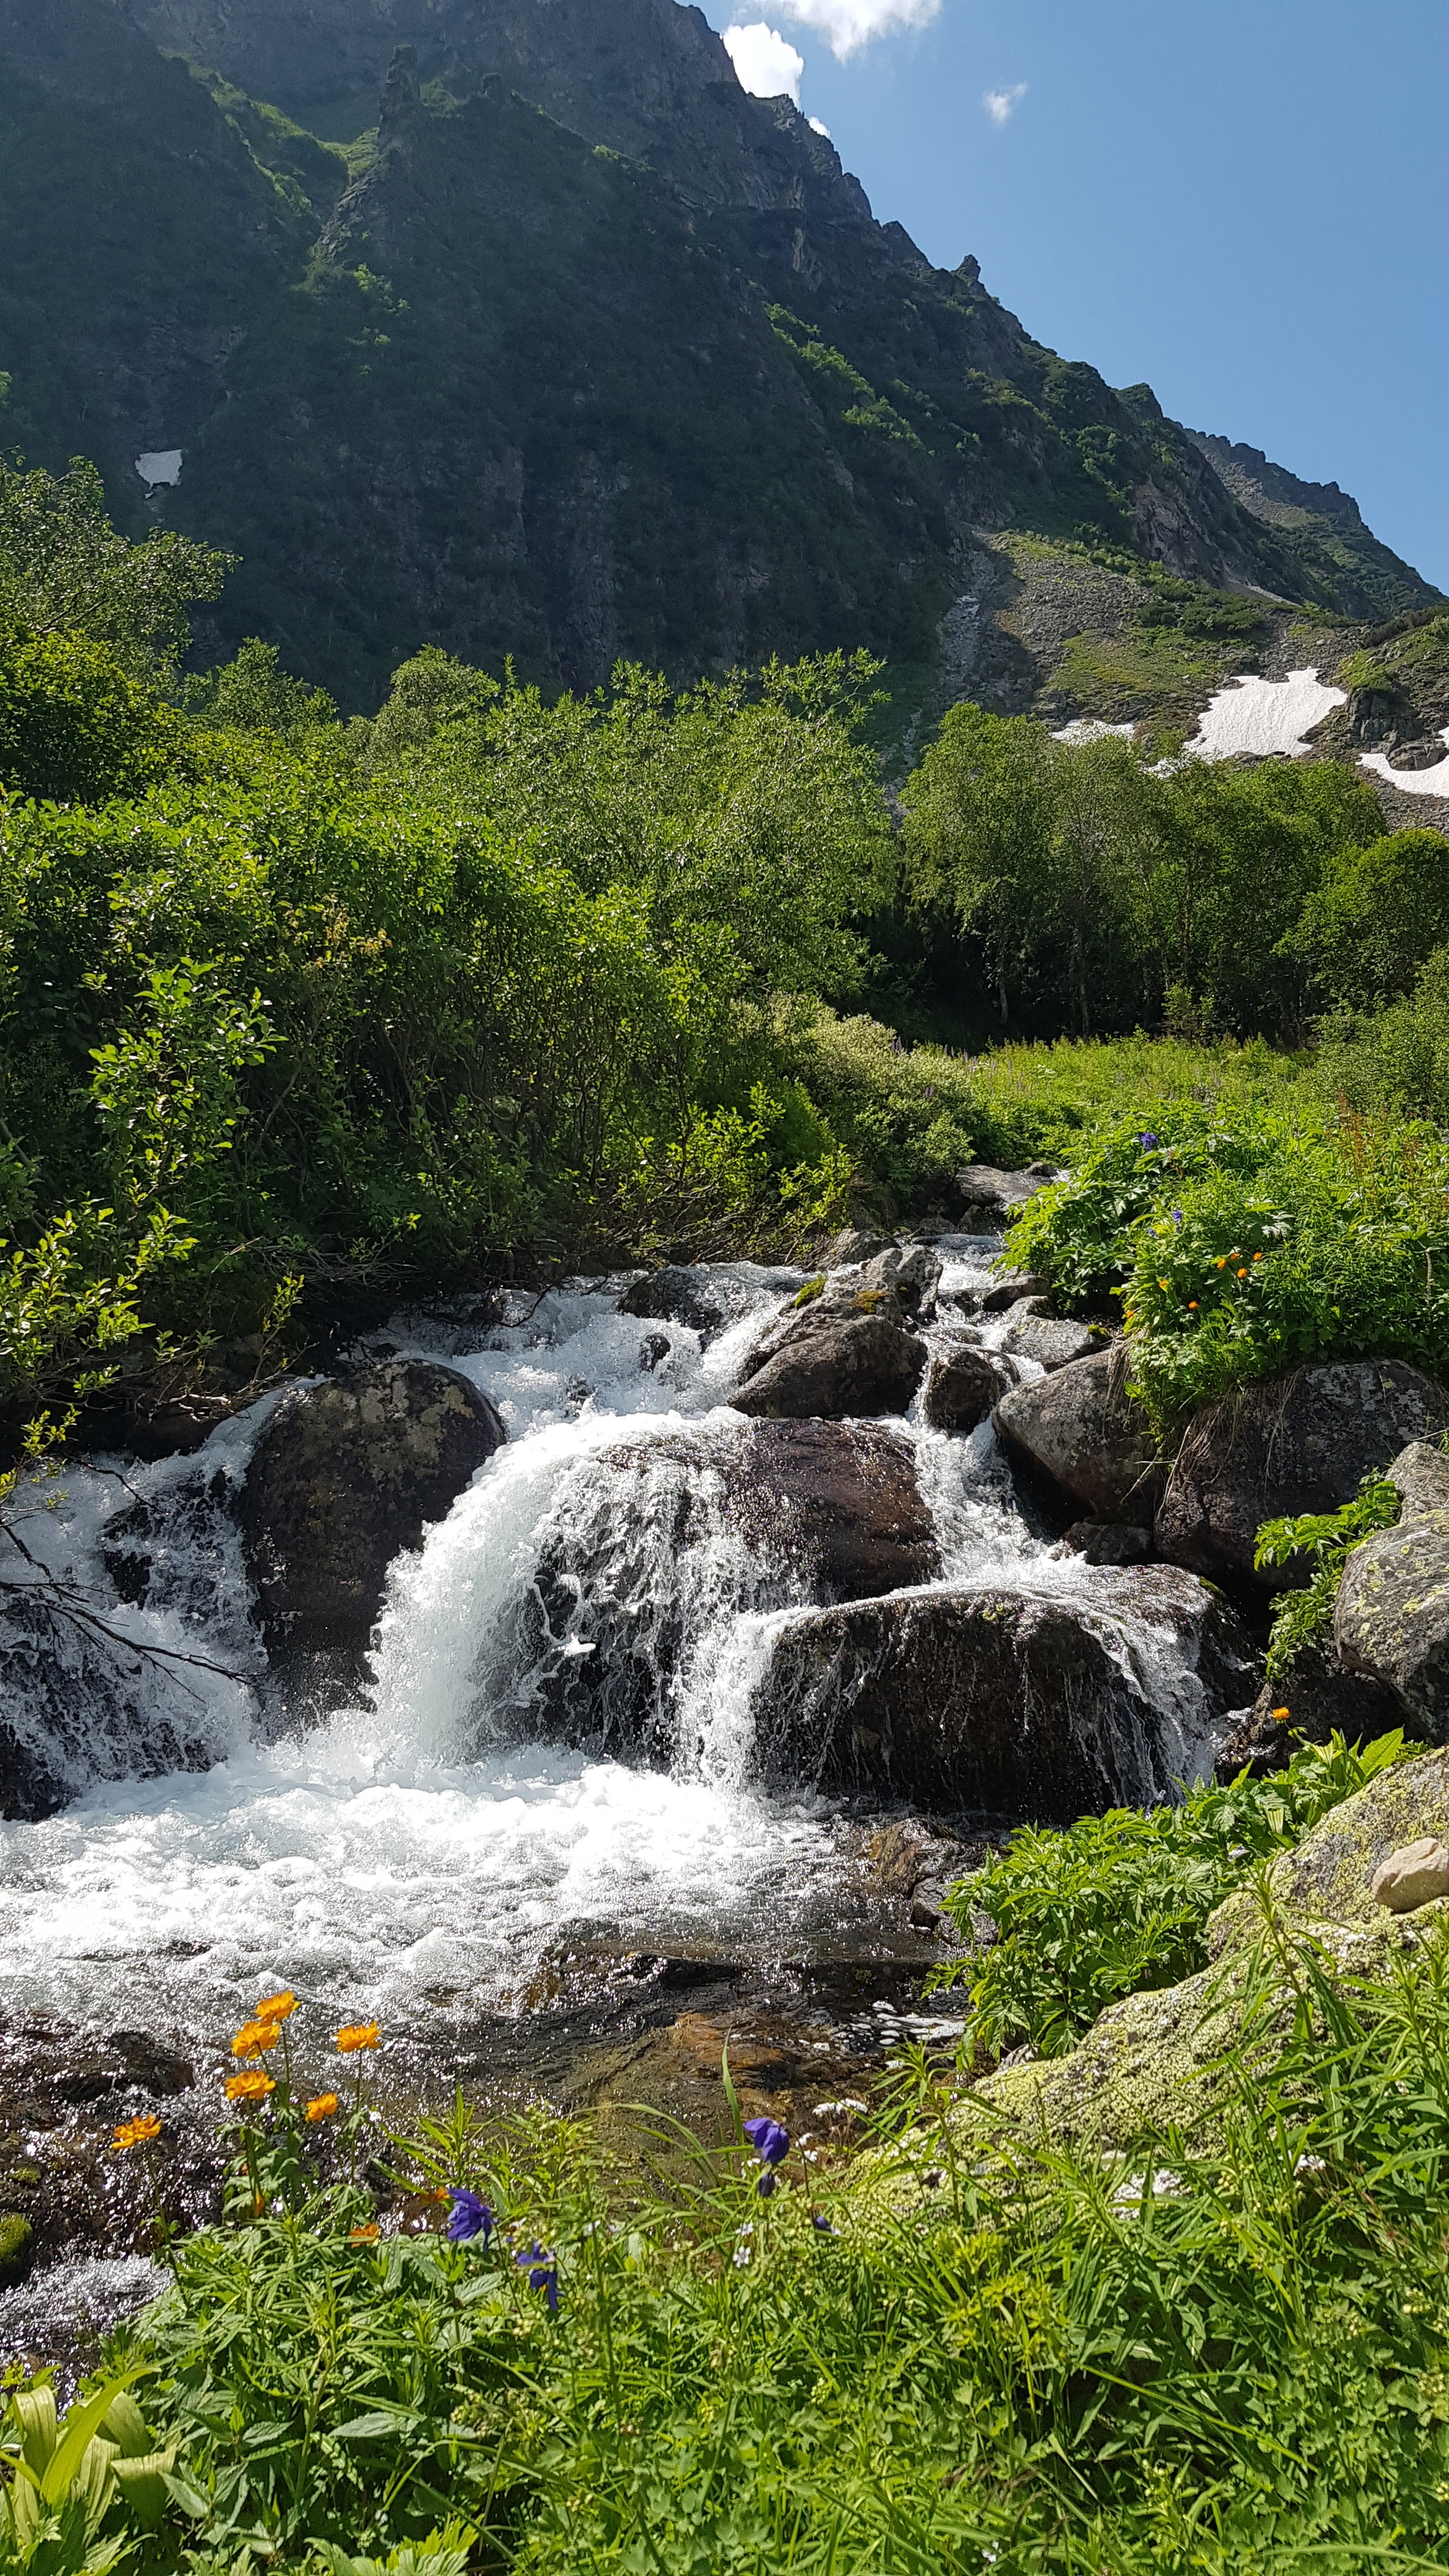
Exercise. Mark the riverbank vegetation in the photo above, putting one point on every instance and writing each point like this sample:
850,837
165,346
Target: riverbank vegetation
495,985
954,2344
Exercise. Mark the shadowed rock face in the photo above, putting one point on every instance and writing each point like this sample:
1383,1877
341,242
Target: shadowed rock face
1301,1443
990,1698
343,1477
1080,1429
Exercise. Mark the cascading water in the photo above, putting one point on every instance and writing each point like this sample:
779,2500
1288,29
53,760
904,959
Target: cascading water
558,1741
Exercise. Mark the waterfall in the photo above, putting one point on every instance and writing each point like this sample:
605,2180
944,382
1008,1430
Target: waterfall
559,1738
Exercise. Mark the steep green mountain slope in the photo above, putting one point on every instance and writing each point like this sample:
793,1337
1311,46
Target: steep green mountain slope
567,349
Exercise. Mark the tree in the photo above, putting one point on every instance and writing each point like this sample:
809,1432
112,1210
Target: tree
65,569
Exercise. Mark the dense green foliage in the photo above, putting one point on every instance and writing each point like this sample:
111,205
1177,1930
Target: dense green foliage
1120,1902
1323,1541
1245,1243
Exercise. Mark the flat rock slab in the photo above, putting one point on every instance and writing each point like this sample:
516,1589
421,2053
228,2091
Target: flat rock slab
1053,1345
344,1476
1081,1430
990,1698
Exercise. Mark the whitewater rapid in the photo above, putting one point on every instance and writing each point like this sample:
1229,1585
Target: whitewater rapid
420,1855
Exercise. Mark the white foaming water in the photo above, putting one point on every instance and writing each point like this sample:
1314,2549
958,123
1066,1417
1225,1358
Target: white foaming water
420,1854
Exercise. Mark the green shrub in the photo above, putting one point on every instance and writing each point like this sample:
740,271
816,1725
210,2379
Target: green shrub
1376,918
1120,1902
1325,1541
74,725
1249,1243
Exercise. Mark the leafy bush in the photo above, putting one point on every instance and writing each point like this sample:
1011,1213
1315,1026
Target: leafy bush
1120,1902
1249,1243
1325,1540
1375,919
74,725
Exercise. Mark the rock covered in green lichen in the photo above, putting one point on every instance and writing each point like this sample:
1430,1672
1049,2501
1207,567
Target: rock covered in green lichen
1391,1618
17,2244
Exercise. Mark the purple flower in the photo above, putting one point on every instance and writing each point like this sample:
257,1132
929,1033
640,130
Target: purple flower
771,2144
1177,1216
822,2225
1148,1141
469,2216
542,2273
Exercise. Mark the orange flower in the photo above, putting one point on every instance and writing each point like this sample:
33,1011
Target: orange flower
365,2235
254,2039
1257,1256
1162,1283
1280,1712
1192,1305
249,2088
357,2034
136,2133
1242,1274
276,2007
1222,1262
322,2107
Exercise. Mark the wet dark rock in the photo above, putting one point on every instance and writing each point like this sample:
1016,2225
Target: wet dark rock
653,1348
707,1299
991,1199
1051,1344
900,1856
1080,1430
1008,1287
818,1510
962,1388
1300,1443
913,1272
1109,1542
857,1244
78,1705
1316,1699
343,1477
847,1352
993,1699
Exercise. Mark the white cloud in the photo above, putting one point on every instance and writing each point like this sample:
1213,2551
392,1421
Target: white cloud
848,24
999,103
817,128
764,63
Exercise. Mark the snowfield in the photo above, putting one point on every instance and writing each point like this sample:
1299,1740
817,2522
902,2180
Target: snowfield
1263,716
1414,782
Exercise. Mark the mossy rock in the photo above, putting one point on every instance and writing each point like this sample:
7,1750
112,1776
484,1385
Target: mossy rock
17,2248
1175,2058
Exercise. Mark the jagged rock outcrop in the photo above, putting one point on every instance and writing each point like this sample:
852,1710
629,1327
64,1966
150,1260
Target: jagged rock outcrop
993,1697
343,1477
1081,1431
1299,1443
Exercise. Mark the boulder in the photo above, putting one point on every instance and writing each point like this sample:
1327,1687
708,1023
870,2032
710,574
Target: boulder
995,1699
1391,1619
847,1352
963,1386
759,1516
708,1299
344,1476
856,1244
991,1199
1051,1344
1173,2058
1299,1443
1412,1876
1008,1287
1081,1430
1108,1542
912,1271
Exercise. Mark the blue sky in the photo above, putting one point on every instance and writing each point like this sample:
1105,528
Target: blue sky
1246,205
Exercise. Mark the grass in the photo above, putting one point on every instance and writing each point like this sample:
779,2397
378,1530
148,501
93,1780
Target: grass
967,2349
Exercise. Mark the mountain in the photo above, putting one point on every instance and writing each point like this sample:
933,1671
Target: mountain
518,327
